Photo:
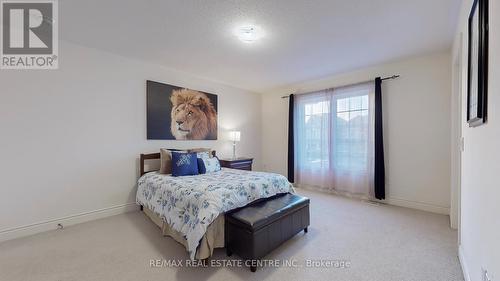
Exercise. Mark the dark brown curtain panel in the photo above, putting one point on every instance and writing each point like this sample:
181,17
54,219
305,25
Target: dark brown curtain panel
291,144
379,180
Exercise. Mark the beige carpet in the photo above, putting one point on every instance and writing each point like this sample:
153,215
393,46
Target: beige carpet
380,243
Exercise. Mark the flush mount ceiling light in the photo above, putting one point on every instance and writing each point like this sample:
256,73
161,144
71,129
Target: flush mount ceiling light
247,34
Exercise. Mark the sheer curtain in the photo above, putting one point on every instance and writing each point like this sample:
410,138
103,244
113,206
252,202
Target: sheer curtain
334,139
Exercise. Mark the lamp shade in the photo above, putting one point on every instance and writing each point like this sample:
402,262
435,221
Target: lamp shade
234,135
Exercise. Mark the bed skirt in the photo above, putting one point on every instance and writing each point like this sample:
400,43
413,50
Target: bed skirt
213,238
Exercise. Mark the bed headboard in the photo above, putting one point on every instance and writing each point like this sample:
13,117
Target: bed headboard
154,156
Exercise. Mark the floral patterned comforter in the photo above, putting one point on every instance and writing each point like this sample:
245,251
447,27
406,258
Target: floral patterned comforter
190,203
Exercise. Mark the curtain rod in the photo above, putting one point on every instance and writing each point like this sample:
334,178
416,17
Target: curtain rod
385,78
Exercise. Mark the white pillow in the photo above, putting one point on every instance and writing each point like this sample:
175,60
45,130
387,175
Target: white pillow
203,155
208,165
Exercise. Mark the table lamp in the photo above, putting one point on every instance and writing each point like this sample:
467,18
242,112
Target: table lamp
234,136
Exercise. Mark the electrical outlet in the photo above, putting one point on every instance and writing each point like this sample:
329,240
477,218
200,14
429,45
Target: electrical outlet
486,275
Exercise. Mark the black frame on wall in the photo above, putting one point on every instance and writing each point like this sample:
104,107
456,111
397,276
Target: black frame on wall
477,112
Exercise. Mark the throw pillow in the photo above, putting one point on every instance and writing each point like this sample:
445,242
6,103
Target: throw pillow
184,164
166,160
208,165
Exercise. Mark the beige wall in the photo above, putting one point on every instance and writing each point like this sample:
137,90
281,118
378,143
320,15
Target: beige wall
416,128
70,138
480,186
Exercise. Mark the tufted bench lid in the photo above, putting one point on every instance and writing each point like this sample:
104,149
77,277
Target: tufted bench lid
257,215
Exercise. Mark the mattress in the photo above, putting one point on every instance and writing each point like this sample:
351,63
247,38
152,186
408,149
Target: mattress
190,204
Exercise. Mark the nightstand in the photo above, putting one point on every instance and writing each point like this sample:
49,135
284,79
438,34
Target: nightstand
240,163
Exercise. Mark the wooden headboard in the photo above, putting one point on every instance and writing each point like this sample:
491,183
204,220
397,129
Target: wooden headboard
154,156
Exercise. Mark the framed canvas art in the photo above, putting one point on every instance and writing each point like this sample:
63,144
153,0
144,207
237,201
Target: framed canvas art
477,86
175,113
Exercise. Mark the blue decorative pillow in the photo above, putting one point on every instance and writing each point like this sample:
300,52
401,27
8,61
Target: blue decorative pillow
208,165
184,164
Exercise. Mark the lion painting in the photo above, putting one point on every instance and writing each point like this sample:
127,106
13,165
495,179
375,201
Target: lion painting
193,116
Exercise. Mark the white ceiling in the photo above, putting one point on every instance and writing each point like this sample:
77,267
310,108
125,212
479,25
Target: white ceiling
302,40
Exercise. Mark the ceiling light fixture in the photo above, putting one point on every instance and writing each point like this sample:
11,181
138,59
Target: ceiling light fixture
247,34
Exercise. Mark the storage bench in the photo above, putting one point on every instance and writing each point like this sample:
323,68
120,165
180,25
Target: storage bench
255,230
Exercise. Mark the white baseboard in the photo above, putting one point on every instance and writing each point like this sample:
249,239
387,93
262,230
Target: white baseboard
25,230
389,200
417,205
463,263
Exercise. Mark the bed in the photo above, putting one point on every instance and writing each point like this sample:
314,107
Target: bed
190,209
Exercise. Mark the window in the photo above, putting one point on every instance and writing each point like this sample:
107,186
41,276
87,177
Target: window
334,138
316,121
350,136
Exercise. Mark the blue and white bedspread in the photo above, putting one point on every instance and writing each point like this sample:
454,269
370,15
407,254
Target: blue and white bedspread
190,204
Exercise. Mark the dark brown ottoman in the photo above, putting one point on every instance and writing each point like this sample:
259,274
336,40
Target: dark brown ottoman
255,230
